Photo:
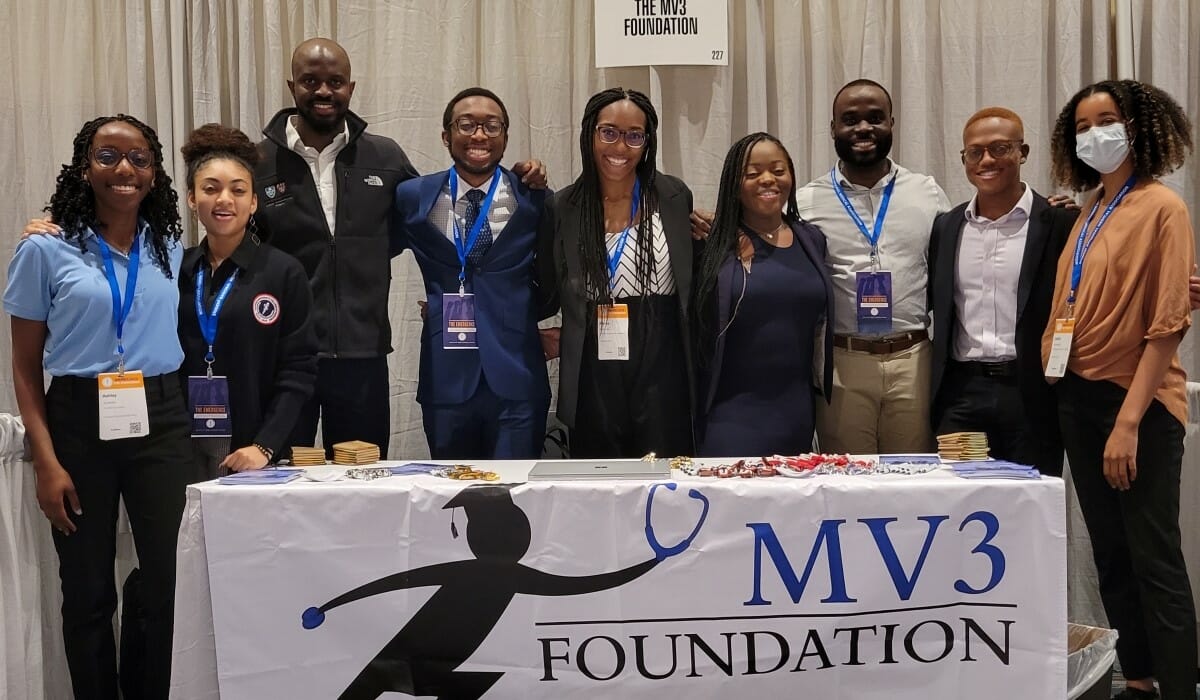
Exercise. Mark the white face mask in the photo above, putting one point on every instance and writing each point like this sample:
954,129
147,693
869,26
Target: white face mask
1103,147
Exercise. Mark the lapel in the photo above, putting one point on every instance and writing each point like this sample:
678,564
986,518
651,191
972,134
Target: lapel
437,245
1035,246
947,267
678,232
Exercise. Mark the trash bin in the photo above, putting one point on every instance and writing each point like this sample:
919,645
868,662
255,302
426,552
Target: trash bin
1091,652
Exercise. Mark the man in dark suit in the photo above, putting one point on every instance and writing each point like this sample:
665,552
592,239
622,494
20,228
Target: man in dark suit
482,388
992,264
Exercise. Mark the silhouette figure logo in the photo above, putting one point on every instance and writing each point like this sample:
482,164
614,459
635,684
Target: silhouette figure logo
421,660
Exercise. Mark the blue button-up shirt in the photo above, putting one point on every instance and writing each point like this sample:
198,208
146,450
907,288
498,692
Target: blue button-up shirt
51,280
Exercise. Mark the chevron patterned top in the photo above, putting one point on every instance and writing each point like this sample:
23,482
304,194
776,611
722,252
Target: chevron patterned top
662,281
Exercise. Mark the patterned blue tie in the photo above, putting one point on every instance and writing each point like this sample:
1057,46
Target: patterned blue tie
484,242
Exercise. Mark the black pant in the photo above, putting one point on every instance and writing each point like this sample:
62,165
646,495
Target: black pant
1135,534
351,399
993,405
627,408
150,473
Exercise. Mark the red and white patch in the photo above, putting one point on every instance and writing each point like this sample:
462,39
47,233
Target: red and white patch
266,309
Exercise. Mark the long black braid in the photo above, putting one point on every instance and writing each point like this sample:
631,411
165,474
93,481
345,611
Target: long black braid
73,204
586,195
723,237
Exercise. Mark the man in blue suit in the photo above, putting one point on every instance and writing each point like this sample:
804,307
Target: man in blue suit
483,389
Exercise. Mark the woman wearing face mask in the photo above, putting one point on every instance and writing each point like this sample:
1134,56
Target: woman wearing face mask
615,254
95,308
249,347
1120,310
762,302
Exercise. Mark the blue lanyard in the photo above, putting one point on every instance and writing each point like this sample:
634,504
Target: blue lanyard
873,235
121,309
464,247
1084,243
614,260
208,322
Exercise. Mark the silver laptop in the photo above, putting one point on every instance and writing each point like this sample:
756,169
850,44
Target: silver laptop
587,469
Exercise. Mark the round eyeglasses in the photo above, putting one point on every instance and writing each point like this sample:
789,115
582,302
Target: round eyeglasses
108,157
610,134
996,149
491,128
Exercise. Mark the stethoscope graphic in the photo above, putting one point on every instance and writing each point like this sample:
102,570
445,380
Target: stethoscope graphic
661,552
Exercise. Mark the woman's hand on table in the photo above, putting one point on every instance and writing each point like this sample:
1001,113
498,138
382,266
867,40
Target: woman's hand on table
245,459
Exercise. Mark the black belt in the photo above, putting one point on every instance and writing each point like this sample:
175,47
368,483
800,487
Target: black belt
155,385
1003,368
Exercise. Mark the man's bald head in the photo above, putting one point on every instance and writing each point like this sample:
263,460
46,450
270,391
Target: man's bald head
317,48
321,87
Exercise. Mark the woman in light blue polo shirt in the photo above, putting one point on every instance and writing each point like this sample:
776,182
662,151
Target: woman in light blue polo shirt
96,309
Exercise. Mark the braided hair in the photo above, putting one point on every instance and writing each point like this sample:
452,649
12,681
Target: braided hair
1160,135
586,196
73,204
722,239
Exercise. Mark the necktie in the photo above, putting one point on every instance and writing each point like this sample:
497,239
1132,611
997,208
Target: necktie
484,242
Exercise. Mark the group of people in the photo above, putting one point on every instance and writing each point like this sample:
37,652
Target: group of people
860,308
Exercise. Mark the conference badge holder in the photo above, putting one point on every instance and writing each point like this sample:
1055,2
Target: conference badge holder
873,302
123,411
612,332
458,322
208,402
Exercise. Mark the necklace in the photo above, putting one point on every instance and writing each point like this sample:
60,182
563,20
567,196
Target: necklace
768,236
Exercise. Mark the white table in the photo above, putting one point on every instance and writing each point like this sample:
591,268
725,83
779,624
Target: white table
252,559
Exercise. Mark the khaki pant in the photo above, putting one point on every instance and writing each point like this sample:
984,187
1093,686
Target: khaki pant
880,403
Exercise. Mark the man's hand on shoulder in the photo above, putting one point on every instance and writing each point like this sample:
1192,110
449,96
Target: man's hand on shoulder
1065,201
701,223
532,173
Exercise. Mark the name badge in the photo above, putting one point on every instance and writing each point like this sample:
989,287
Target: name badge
873,302
123,412
208,402
1060,347
612,332
458,322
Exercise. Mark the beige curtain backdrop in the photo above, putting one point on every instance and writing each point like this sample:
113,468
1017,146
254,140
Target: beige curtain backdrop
180,63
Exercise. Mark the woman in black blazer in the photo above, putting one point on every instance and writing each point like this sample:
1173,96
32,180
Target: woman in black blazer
615,255
762,304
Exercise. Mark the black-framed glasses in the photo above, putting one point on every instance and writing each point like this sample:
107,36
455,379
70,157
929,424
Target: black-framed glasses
996,149
109,157
467,127
610,134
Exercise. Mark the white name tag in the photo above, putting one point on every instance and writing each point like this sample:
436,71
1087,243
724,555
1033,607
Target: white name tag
123,412
1060,347
612,332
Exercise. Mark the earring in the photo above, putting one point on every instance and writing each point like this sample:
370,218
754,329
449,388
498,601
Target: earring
252,226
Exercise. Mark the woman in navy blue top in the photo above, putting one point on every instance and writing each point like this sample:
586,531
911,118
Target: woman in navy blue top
95,308
762,304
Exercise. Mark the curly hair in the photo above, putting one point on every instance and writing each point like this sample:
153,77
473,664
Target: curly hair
73,204
213,142
1160,135
586,195
722,239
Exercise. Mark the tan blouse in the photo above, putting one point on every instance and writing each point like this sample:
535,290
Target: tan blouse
1134,288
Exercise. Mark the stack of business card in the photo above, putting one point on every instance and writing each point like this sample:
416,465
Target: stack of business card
308,456
355,452
963,446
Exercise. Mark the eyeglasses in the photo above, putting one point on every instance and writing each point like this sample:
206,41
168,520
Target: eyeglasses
610,134
108,157
996,149
491,128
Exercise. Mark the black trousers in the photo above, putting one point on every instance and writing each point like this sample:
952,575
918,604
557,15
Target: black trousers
352,401
993,405
1135,534
630,407
151,474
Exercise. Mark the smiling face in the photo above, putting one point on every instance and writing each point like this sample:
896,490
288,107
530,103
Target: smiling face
477,153
617,161
862,126
991,175
767,182
119,188
321,86
222,195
